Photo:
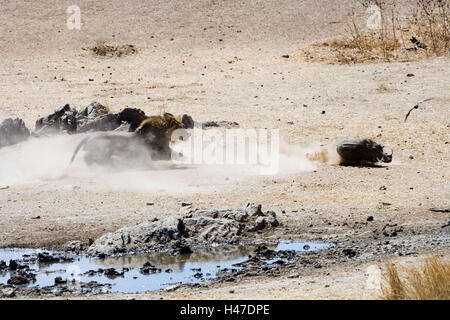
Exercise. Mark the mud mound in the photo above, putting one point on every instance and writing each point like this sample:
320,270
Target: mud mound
197,228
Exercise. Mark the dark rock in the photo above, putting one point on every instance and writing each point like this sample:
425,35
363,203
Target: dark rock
263,251
12,265
112,273
221,123
90,273
253,209
74,246
370,218
59,280
7,292
106,122
241,216
13,131
21,278
148,268
446,225
271,219
260,224
93,110
44,257
63,119
180,247
18,280
349,252
95,117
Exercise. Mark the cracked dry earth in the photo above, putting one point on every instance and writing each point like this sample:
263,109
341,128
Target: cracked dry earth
407,200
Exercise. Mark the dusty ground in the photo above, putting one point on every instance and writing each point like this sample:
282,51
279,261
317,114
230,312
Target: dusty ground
223,61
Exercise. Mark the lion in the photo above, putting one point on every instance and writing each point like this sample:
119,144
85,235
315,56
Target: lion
150,140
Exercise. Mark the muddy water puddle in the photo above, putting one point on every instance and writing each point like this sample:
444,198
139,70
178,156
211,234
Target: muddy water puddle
54,271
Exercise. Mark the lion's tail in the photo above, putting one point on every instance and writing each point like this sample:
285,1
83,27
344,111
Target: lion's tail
80,145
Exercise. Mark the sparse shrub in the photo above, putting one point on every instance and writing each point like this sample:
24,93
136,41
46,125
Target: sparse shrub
421,34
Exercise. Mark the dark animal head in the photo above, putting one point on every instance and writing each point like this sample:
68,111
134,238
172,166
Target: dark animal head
362,150
385,157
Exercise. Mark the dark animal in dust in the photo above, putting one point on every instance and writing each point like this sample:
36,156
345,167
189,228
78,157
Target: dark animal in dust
360,151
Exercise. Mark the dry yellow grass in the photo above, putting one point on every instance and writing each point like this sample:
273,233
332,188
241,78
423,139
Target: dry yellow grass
430,282
422,34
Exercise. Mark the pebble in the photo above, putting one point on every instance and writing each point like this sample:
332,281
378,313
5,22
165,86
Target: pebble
8,292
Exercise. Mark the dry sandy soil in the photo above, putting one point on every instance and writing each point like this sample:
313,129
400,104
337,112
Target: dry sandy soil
222,60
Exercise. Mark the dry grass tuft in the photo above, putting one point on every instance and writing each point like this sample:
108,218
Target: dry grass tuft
424,33
105,50
430,282
382,88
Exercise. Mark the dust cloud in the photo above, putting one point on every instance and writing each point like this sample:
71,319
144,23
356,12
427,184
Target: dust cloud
45,161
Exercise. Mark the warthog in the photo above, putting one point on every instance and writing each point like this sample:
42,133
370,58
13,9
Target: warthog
359,151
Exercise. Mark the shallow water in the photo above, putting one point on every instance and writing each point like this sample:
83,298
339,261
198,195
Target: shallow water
201,265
